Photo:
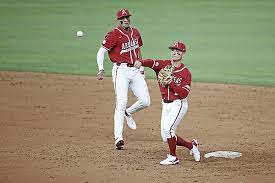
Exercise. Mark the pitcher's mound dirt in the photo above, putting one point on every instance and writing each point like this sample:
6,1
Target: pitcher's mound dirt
59,128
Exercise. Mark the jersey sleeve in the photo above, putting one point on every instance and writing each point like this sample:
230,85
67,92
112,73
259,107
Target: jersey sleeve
110,40
156,65
184,87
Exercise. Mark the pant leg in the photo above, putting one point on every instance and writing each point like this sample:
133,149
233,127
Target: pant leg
121,85
177,111
164,119
140,90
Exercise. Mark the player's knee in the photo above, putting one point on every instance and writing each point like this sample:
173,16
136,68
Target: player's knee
145,102
172,133
166,132
121,105
164,139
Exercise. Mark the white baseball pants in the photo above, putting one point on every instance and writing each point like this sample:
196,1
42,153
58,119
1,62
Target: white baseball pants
125,77
172,114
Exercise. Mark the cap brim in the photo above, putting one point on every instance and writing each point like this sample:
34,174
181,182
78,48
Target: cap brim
124,16
171,47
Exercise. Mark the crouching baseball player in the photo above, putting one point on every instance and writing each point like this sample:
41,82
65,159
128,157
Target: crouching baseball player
175,83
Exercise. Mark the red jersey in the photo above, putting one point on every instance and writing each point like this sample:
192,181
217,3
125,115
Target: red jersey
180,87
123,46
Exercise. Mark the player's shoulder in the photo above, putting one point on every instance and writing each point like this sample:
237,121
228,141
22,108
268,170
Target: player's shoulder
110,33
186,70
135,30
182,70
114,31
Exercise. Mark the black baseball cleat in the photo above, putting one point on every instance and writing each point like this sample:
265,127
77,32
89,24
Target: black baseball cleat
120,145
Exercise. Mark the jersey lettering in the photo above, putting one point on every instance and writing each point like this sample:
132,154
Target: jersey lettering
177,80
129,46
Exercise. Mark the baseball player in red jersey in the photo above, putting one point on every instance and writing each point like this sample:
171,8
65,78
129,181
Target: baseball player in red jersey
174,101
123,45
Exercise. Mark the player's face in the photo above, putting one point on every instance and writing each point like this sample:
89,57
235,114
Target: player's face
125,22
176,55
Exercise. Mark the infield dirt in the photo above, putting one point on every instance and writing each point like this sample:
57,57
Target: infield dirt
59,128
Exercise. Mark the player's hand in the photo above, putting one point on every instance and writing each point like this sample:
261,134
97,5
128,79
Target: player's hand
137,64
100,75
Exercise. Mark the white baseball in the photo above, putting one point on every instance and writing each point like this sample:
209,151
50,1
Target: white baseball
79,33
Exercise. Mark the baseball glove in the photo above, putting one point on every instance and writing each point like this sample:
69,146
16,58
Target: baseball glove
165,76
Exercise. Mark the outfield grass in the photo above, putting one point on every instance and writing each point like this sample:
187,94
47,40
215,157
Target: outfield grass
228,41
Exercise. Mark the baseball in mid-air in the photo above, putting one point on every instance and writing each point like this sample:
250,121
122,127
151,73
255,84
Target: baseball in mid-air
79,33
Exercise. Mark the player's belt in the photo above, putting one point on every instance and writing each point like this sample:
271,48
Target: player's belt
168,101
128,65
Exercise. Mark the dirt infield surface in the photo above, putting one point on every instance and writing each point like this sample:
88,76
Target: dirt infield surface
59,128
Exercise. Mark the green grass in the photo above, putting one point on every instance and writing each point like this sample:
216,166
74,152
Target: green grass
228,41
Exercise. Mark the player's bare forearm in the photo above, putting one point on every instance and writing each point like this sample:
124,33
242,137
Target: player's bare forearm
101,74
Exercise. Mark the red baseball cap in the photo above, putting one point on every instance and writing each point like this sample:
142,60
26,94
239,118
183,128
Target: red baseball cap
122,13
178,45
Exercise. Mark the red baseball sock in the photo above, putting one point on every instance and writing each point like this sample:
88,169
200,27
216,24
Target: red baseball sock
172,145
182,142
